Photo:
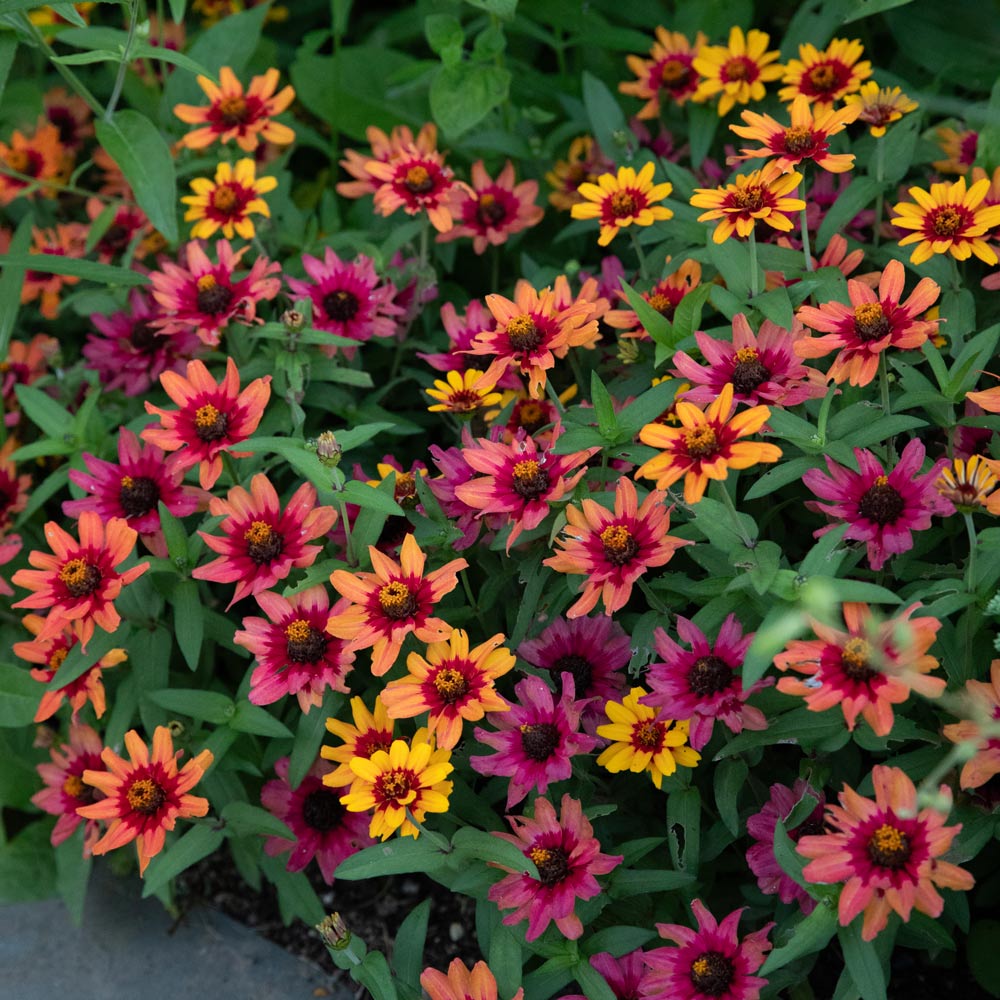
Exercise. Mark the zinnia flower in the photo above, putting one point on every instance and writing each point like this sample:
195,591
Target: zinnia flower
38,158
80,581
959,148
567,856
881,509
263,543
13,487
584,164
737,71
452,684
710,962
761,194
71,116
706,445
463,393
949,219
536,740
212,417
886,853
984,706
392,602
867,669
145,795
462,983
825,77
228,201
370,732
669,72
665,296
611,550
235,114
384,148
323,828
400,785
619,201
969,485
880,106
65,240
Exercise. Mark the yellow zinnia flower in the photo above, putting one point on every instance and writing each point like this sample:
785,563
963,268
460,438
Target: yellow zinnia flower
227,201
825,77
620,201
880,106
462,393
737,71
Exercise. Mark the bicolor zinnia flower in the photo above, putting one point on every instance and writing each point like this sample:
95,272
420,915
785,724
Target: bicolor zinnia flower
619,201
585,162
26,362
665,296
348,299
369,732
536,739
882,509
823,78
667,74
887,854
969,485
492,210
462,330
771,877
199,296
462,393
65,240
235,114
867,669
401,785
38,158
64,790
462,983
709,963
80,581
49,655
959,148
262,543
294,652
567,856
133,487
146,795
393,601
520,480
213,416
322,827
880,106
737,71
228,200
127,224
71,115
983,707
13,487
10,546
383,148
704,684
806,138
948,219
706,445
762,367
873,322
762,194
612,549
644,739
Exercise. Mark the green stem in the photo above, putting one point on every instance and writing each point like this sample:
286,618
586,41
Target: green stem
654,602
638,252
495,270
824,414
970,569
230,466
424,235
754,269
804,227
133,21
336,32
727,502
883,378
879,178
439,839
550,389
64,71
346,522
68,188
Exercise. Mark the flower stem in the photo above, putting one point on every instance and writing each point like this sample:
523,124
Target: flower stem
346,522
879,177
230,466
727,502
804,227
25,24
970,568
638,252
824,414
438,839
883,378
550,390
133,21
754,270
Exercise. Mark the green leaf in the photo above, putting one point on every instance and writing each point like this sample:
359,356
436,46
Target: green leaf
776,306
798,726
607,422
732,260
638,881
788,858
859,194
73,873
607,120
373,973
143,50
12,279
44,412
394,857
473,843
175,535
788,472
243,819
647,407
135,144
408,950
27,865
208,705
20,694
8,49
254,719
189,620
687,315
462,95
177,8
370,498
296,897
857,9
77,663
89,270
684,828
862,962
444,35
312,727
982,948
730,777
654,323
197,843
809,935
594,985
504,9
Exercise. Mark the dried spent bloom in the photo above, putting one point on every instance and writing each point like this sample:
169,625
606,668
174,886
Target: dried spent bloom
668,75
738,70
983,707
619,201
880,106
228,200
823,78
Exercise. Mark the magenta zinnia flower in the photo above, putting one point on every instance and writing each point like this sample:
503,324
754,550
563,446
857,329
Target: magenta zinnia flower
263,543
323,828
567,856
294,652
197,295
882,509
703,684
462,330
455,471
347,299
762,368
627,976
771,877
537,739
710,963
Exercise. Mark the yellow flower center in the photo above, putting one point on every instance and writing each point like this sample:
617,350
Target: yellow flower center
258,533
57,657
946,222
623,204
397,601
418,180
736,69
674,71
701,442
451,685
854,659
749,198
405,488
889,847
870,322
264,544
395,784
523,334
661,304
206,283
745,355
233,110
619,545
145,796
80,577
823,77
649,735
209,423
224,198
530,480
74,786
127,482
298,630
798,139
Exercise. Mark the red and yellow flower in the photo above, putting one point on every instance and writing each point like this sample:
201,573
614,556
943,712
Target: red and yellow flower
370,731
227,201
584,163
738,70
668,73
65,240
969,485
620,200
959,148
462,393
825,77
880,106
762,194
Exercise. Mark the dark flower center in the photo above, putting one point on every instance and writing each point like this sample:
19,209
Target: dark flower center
823,77
810,828
64,121
674,73
552,864
798,140
80,577
709,675
580,667
529,414
748,372
530,480
539,740
701,442
233,111
881,502
662,304
946,222
738,68
341,305
711,973
489,211
397,601
138,495
145,796
224,198
264,544
418,180
304,644
649,735
115,237
74,787
143,336
619,545
209,423
322,810
750,198
889,847
870,322
394,784
451,685
213,298
854,660
523,334
623,204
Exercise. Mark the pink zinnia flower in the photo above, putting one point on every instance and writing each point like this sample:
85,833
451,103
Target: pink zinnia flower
130,353
704,684
763,368
882,509
262,543
626,976
294,652
771,877
323,828
10,546
197,295
710,962
455,471
537,739
982,706
348,299
567,856
462,330
886,852
132,488
64,789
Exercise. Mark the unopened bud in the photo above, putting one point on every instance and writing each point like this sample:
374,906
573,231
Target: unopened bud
293,320
628,351
334,932
176,728
328,449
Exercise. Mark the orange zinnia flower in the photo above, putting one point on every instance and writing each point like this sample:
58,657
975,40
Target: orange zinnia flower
392,602
233,114
40,157
738,70
706,445
585,162
668,73
462,984
384,148
758,195
619,201
825,77
228,201
146,796
66,240
80,582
